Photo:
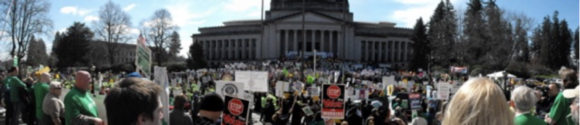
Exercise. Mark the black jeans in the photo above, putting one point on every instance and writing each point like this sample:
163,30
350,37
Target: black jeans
48,120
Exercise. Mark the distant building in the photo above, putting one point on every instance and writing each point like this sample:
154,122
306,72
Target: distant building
98,55
330,30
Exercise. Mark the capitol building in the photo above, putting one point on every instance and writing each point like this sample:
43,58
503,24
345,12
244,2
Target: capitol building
329,29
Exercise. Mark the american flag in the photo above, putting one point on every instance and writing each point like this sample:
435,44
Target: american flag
141,39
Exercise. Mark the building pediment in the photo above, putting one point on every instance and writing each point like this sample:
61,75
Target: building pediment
311,17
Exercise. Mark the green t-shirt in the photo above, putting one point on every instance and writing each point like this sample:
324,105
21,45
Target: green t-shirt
14,84
560,109
40,90
528,119
78,102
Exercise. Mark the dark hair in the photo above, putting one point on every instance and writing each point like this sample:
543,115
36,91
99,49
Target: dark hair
129,99
12,69
570,80
179,101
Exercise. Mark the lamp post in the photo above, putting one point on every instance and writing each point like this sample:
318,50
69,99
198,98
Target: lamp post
93,81
505,87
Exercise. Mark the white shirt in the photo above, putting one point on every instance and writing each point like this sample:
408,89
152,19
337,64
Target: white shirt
419,121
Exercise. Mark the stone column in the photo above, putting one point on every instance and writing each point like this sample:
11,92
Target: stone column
286,42
367,51
392,51
312,43
254,45
406,51
322,48
235,49
340,43
399,54
383,50
295,40
373,50
331,42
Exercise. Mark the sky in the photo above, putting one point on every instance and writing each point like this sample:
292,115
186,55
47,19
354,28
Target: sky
189,15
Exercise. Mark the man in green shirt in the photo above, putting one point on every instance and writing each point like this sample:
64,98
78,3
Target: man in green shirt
561,106
40,90
523,99
15,86
80,109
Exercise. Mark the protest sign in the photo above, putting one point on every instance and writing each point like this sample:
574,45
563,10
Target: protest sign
237,111
234,89
282,87
443,91
313,91
253,81
333,98
307,111
260,82
415,99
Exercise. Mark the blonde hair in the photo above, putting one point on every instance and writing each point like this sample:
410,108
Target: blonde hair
478,102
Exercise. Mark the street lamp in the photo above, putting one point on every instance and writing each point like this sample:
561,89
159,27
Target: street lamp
93,81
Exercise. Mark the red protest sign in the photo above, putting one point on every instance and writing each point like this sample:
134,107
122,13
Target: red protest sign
333,101
237,112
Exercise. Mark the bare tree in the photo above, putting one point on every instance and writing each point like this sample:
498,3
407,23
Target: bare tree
112,27
158,30
26,18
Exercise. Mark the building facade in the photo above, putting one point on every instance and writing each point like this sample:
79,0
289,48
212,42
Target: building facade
329,29
125,53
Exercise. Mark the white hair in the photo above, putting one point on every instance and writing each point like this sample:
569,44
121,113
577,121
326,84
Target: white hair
524,98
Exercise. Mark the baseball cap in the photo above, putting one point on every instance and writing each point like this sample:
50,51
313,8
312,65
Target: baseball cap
571,93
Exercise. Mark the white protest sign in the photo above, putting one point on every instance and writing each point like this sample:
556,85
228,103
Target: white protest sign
254,81
313,91
260,82
297,86
282,87
162,79
444,90
234,89
244,77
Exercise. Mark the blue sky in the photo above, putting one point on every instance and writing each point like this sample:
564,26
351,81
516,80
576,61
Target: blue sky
191,14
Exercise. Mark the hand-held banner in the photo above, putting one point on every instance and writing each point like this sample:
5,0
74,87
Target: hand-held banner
333,97
237,111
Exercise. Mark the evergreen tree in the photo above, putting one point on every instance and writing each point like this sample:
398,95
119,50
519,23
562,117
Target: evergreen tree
565,43
420,46
36,52
522,50
442,35
175,44
545,47
72,47
474,32
196,58
576,41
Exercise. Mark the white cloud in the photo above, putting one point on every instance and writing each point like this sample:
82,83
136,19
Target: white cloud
129,7
244,5
91,18
74,10
183,14
415,9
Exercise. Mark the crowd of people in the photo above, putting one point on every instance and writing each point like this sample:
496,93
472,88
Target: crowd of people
133,99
